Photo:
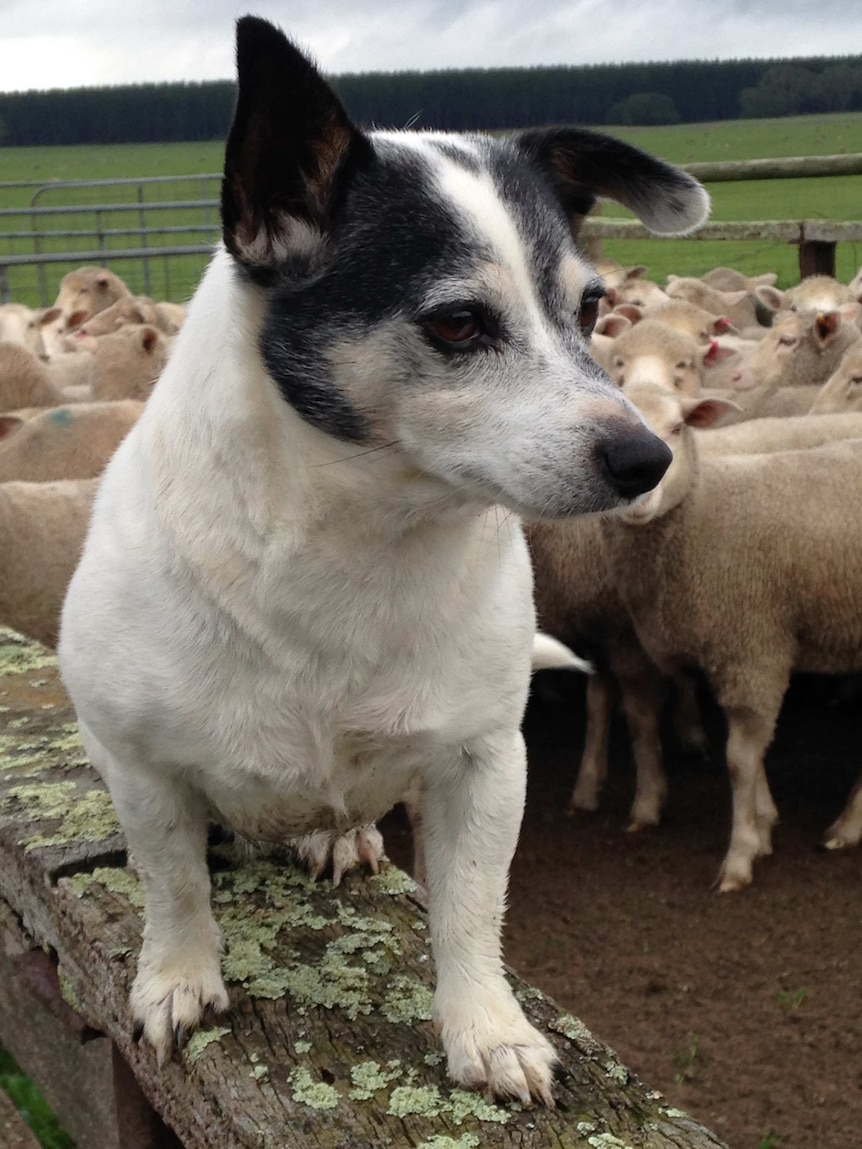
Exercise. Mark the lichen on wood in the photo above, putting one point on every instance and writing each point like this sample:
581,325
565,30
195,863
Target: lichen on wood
328,1039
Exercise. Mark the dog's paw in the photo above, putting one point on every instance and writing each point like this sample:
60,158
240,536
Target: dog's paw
515,1063
169,1002
362,846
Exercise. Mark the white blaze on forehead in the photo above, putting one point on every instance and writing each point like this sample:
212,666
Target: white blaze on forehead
478,207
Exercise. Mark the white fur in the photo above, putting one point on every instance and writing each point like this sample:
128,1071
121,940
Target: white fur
222,666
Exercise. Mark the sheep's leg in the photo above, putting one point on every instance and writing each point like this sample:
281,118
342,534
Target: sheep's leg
594,760
643,691
765,813
749,734
473,808
846,830
642,704
686,716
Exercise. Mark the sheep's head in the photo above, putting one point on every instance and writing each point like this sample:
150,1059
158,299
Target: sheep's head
843,391
651,352
669,415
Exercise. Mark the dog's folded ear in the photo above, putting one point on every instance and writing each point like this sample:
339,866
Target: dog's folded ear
289,149
583,165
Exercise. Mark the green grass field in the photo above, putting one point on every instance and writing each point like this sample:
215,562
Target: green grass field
31,1105
831,198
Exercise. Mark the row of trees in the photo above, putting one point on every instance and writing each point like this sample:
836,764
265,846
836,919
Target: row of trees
687,91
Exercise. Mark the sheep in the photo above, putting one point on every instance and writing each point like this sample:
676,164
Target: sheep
728,279
608,328
742,308
89,290
661,354
695,321
790,433
73,442
776,538
70,371
127,364
784,402
42,531
52,330
818,293
576,600
20,324
170,317
843,390
131,310
802,349
629,285
24,380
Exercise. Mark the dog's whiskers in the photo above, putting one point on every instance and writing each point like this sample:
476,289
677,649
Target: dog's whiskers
359,454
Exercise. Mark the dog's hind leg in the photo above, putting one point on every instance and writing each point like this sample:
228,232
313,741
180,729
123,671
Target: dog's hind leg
179,976
472,817
361,846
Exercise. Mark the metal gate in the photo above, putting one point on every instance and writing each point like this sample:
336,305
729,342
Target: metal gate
157,233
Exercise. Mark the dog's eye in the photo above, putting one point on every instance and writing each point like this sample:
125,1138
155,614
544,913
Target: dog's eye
589,312
459,328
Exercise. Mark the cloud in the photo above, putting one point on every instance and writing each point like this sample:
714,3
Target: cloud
64,43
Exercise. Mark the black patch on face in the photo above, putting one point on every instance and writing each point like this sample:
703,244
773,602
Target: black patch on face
541,220
393,240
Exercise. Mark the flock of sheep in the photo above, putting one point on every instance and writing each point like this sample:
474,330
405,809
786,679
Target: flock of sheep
73,381
743,566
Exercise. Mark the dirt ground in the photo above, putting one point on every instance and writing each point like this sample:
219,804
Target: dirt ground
744,1009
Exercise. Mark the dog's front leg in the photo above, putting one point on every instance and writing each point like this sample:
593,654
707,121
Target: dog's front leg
472,818
179,969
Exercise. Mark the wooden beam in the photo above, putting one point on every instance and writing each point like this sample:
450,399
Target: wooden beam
328,1041
776,168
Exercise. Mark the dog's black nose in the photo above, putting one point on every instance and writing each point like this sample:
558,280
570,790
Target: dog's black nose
635,463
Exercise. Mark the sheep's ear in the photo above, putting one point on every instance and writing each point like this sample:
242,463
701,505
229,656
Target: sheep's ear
76,319
709,412
9,424
715,354
49,315
149,339
771,297
289,150
583,164
612,325
826,325
631,311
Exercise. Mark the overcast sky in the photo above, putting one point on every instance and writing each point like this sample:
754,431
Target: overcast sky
71,43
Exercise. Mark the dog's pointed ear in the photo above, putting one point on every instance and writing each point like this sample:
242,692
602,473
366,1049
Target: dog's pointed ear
583,165
289,148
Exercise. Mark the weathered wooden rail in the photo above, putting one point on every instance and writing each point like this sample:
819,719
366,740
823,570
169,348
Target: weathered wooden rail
328,1041
817,239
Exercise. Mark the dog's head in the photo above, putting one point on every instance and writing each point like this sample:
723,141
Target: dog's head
425,292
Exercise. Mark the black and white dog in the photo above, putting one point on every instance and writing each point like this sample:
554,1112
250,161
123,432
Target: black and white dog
305,587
